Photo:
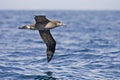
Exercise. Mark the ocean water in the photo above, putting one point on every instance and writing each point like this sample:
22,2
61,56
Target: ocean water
87,49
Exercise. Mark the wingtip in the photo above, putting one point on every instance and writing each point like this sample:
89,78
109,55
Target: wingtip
49,56
48,60
39,16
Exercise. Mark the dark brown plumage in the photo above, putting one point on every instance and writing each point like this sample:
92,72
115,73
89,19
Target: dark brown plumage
44,25
50,43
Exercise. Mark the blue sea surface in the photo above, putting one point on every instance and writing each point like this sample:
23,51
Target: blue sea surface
87,49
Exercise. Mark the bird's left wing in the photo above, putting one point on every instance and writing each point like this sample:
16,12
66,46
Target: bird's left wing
49,41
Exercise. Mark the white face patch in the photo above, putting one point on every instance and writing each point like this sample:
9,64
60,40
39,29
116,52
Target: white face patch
59,24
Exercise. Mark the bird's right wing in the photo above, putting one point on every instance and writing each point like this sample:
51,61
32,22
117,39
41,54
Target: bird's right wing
49,41
41,19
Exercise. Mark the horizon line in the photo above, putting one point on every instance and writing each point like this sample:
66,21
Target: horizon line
61,9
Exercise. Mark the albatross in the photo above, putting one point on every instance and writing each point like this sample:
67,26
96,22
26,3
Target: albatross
43,25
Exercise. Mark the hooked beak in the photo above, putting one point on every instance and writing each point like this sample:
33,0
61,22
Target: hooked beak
62,24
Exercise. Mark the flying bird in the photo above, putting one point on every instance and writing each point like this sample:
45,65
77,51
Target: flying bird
43,25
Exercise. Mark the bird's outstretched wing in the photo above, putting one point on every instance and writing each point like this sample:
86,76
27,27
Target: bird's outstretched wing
49,41
41,19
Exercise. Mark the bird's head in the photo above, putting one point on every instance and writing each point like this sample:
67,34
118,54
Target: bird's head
59,23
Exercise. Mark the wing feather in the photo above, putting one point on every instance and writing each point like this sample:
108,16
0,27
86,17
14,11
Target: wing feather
41,19
49,41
